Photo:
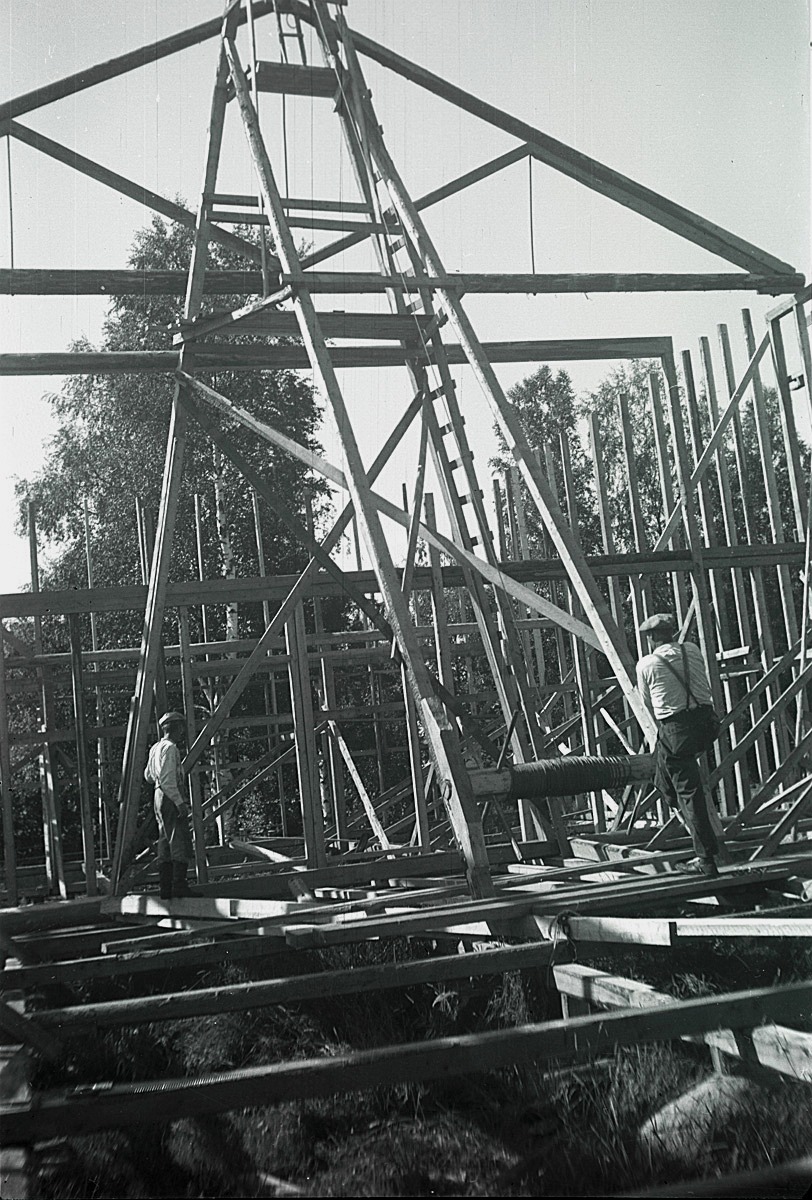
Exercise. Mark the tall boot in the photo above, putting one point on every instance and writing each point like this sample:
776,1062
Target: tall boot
165,879
179,885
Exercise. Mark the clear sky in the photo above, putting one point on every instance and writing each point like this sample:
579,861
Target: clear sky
706,101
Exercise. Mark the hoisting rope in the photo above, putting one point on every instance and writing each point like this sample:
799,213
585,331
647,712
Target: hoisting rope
530,210
10,204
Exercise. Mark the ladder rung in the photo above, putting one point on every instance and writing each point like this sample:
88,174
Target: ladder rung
458,462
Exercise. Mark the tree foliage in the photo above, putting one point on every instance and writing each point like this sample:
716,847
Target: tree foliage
110,445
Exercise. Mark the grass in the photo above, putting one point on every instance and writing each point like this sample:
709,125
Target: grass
530,1130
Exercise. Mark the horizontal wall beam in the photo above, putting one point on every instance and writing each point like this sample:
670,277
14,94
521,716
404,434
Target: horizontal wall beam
45,281
257,589
221,356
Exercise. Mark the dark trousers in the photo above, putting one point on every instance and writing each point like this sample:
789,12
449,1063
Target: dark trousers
682,739
174,839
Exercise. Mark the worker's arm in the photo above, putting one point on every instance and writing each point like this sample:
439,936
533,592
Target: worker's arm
645,696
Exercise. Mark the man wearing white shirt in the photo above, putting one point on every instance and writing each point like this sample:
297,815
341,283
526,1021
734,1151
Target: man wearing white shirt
164,769
673,684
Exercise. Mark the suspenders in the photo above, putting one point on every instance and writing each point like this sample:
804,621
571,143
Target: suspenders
686,682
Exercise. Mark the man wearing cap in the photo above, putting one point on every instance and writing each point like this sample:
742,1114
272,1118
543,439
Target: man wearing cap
673,683
171,808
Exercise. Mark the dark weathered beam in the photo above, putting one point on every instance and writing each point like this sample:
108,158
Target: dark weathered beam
357,325
80,1111
36,281
221,356
348,282
291,79
254,590
122,63
246,996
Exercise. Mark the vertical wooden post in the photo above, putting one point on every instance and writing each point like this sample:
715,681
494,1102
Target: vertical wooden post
731,797
88,839
771,486
9,852
135,746
761,610
733,693
530,638
789,429
557,591
415,766
331,756
148,536
604,516
195,795
579,649
52,825
269,687
698,573
728,514
500,509
302,708
802,333
102,746
439,609
666,487
641,598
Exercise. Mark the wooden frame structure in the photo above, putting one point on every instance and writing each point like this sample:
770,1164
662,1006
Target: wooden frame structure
487,643
720,587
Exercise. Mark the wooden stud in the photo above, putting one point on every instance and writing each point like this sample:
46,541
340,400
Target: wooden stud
9,851
85,805
306,761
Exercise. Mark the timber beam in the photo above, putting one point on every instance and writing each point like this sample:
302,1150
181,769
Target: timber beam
220,356
49,281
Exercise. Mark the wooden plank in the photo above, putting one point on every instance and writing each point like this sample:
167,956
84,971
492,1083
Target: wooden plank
268,358
214,952
292,79
369,807
244,996
766,454
306,759
641,931
98,73
195,794
6,794
59,915
34,281
776,1047
86,817
79,1111
754,927
340,282
18,1027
